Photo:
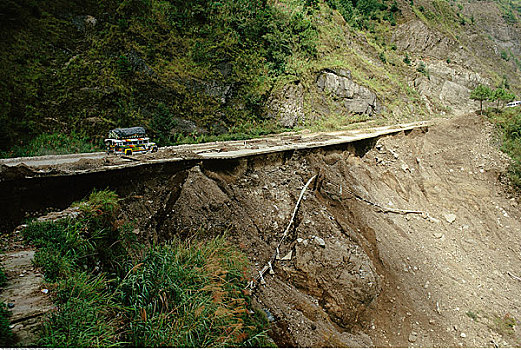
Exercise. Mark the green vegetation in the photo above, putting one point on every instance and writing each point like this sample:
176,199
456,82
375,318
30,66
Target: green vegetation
47,144
360,13
501,95
473,315
509,123
406,59
505,324
3,277
112,291
6,335
423,69
135,62
511,10
481,93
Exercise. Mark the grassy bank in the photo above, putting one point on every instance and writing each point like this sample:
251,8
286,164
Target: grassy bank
508,122
113,291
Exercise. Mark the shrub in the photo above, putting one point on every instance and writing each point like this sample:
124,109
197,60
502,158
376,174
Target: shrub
422,69
359,13
406,59
382,57
3,278
509,122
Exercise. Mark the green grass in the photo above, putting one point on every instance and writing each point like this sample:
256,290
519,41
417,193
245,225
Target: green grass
191,296
508,122
111,291
6,334
49,144
473,315
505,324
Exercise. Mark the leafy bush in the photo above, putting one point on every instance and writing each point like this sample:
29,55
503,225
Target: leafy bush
406,59
509,122
422,69
358,13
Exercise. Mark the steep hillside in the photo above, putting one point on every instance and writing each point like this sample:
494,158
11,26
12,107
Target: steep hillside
190,71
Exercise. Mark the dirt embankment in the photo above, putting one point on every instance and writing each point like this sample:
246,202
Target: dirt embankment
360,274
406,240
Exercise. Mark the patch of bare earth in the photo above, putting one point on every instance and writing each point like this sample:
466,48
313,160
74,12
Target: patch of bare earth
360,274
24,294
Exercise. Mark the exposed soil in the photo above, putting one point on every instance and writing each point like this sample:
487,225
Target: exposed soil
438,278
363,270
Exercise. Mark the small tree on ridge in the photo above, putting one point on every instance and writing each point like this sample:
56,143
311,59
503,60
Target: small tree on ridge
481,93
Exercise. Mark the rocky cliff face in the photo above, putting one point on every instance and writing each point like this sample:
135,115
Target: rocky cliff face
332,92
440,51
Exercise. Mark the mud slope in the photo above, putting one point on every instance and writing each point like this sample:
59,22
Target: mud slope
360,274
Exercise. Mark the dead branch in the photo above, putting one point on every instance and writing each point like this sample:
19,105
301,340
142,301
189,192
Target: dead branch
388,210
513,276
268,266
294,213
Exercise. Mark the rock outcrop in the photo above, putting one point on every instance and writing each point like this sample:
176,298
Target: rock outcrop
287,105
348,96
448,86
416,37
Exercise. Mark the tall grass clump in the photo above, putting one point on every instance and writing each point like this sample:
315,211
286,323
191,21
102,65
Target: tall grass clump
49,144
191,296
111,291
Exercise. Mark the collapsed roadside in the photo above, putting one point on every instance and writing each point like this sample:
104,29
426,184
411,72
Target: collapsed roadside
406,239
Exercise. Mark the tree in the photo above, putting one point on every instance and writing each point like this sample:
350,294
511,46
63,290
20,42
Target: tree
481,93
508,97
501,95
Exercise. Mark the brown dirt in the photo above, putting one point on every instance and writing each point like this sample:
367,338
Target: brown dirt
359,274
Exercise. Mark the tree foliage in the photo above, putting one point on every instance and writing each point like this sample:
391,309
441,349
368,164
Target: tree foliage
481,93
501,95
89,66
359,12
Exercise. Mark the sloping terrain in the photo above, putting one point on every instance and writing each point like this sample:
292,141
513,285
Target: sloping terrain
204,70
404,240
363,270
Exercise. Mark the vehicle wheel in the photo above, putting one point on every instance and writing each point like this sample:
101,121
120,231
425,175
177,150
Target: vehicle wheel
154,149
128,152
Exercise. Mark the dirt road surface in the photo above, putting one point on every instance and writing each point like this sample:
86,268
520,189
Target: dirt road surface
217,150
